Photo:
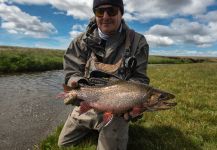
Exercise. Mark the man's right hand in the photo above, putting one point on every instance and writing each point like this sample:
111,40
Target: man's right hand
74,84
70,96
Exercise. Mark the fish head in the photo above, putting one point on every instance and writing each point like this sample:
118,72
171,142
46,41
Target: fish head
159,100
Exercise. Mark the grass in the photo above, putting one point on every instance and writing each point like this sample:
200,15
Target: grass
191,125
179,59
21,59
18,59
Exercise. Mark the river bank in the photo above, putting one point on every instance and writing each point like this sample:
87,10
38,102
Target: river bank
22,59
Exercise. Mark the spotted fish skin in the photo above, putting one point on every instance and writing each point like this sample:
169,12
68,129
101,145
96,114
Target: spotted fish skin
120,97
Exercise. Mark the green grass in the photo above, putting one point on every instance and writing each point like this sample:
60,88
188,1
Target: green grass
179,59
17,59
21,59
191,125
167,60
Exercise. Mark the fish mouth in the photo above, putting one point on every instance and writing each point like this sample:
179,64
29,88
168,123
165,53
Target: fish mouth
160,101
165,96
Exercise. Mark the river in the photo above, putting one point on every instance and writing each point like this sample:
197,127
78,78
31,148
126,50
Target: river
29,110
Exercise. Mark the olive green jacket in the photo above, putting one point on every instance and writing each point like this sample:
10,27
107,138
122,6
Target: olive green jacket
80,49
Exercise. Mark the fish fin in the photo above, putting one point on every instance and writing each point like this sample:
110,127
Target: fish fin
113,82
107,118
67,88
136,111
61,95
84,107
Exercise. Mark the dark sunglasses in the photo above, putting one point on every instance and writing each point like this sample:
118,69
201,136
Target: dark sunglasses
111,11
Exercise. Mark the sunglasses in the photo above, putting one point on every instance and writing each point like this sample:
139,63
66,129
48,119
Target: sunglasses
111,11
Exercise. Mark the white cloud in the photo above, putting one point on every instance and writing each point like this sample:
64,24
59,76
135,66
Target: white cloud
159,40
77,29
2,1
16,21
134,9
209,17
141,10
79,9
183,31
35,2
181,52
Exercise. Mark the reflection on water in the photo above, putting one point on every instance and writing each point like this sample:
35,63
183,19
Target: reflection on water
28,108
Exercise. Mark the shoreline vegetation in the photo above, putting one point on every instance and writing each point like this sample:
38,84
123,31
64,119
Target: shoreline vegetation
22,59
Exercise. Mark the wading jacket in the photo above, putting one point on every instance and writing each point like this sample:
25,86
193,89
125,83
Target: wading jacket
88,53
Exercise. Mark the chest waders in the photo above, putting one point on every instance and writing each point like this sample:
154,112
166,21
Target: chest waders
99,73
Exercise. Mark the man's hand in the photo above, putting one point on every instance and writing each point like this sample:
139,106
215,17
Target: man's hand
74,84
69,96
129,117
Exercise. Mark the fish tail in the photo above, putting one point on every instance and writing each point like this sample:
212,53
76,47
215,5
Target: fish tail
62,95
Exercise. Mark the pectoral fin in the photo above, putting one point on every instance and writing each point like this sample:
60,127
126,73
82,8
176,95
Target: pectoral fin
137,110
84,107
107,118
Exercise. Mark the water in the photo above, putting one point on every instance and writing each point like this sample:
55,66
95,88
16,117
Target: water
28,108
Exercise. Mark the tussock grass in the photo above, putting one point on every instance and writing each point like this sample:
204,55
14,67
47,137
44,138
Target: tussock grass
17,59
191,125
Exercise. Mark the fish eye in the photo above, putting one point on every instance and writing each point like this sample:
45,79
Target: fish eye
162,96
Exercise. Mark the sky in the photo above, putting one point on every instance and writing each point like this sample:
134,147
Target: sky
171,27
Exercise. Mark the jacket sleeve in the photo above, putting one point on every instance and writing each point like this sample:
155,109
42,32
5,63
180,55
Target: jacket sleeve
74,61
141,54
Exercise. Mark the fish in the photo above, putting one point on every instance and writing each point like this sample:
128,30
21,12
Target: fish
118,98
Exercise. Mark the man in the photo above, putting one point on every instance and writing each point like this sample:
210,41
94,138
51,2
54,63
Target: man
107,50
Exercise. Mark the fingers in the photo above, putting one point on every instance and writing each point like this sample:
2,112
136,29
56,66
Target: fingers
126,116
71,97
129,116
74,84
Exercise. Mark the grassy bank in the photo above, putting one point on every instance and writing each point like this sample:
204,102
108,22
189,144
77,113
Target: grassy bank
18,59
179,59
191,125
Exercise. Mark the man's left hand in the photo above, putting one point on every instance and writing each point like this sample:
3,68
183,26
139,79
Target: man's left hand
129,117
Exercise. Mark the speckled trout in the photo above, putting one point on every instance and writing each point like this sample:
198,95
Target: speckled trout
119,97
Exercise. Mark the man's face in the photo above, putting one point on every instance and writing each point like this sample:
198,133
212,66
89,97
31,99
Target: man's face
108,21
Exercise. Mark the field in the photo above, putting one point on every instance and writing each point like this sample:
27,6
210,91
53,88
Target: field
191,125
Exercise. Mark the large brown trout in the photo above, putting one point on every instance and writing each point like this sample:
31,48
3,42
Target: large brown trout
120,97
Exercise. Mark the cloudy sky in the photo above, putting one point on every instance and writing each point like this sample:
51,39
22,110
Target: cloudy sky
171,27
